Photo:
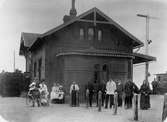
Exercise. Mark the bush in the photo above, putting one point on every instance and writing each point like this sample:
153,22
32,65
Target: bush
12,84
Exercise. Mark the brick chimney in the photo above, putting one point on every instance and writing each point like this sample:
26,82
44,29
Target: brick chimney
73,13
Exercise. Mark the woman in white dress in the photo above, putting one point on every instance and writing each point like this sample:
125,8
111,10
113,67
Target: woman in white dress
54,92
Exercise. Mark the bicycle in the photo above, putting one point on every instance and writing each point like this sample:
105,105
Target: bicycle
33,97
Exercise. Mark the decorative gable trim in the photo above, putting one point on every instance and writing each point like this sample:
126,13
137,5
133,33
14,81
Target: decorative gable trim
110,21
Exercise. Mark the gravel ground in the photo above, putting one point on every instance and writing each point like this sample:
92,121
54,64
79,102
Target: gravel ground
15,110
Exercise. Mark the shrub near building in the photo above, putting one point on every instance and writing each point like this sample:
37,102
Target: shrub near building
12,84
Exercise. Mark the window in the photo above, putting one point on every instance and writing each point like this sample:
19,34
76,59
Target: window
105,68
35,67
90,34
99,35
81,34
159,78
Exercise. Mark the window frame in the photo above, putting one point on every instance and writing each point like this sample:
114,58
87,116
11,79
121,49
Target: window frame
100,38
91,36
81,37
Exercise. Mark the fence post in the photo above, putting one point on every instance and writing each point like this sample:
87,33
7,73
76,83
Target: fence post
164,113
99,100
115,103
87,98
123,100
136,107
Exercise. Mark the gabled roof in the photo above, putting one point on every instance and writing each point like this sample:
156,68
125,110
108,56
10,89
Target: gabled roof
27,40
137,42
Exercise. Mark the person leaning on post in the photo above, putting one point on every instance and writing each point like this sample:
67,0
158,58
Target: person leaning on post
74,89
110,90
130,88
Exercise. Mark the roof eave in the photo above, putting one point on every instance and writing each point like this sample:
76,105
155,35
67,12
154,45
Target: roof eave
138,46
141,58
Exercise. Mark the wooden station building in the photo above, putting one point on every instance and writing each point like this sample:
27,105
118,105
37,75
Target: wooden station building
90,47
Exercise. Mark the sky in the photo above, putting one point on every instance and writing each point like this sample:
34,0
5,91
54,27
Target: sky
39,16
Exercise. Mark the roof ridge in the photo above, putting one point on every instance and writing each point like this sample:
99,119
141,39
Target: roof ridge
111,21
29,33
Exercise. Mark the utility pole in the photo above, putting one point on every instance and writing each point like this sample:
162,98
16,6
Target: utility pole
147,42
14,60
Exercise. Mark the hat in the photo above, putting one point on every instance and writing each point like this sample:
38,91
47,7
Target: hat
32,84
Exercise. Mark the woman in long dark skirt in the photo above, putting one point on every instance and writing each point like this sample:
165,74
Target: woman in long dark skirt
74,89
145,96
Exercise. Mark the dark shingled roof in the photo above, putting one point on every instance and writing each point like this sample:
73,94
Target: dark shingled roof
136,42
27,40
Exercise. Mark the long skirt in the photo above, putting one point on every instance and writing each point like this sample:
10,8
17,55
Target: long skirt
73,98
144,101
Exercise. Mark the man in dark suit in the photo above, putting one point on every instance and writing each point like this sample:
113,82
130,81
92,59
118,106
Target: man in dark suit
130,88
102,88
90,88
96,89
119,91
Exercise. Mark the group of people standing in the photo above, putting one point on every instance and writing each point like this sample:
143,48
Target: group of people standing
125,92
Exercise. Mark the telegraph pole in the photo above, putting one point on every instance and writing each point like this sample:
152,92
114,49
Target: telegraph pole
14,60
147,17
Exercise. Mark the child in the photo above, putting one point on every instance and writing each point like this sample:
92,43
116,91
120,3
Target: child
32,87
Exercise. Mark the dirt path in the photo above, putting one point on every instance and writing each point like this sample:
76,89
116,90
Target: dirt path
15,110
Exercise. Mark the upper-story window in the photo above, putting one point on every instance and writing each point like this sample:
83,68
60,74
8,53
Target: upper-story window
90,34
99,35
81,34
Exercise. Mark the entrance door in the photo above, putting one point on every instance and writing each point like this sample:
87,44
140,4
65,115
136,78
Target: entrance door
105,73
97,73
